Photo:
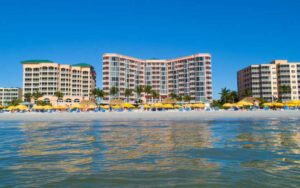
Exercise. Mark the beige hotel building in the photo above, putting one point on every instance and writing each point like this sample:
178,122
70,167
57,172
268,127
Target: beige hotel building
76,82
190,75
279,79
9,94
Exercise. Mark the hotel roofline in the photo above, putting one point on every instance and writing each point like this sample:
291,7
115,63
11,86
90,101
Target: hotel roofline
157,60
36,62
275,61
10,88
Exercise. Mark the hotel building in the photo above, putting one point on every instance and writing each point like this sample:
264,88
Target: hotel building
76,82
190,75
9,94
278,80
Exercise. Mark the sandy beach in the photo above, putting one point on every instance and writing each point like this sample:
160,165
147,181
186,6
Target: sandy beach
135,116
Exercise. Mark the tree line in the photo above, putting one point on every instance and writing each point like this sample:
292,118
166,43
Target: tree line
139,90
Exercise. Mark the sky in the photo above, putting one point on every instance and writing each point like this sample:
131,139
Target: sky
236,33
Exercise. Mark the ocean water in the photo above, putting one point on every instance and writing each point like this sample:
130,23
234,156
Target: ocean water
216,153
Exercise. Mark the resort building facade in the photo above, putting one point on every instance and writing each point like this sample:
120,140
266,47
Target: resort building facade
278,80
190,75
76,82
9,94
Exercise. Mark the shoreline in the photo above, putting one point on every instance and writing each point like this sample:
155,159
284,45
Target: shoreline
146,116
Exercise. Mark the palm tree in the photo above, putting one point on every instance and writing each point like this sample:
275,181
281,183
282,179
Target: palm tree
36,95
233,96
59,94
27,97
247,93
98,93
224,94
147,90
173,95
128,93
187,98
216,103
154,94
139,90
262,101
14,102
94,92
114,91
285,89
179,98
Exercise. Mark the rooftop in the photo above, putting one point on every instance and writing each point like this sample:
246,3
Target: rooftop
82,65
36,61
157,59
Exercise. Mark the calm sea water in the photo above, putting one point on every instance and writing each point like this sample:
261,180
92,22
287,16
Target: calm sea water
218,153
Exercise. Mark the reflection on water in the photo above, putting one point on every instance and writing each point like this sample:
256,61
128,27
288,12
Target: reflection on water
243,153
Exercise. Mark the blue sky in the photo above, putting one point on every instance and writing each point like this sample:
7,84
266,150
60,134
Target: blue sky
236,32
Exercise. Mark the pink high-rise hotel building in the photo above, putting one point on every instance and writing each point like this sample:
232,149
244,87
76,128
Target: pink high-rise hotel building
190,75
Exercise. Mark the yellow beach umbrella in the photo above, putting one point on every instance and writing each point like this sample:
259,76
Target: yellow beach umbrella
1,107
11,108
21,107
128,105
237,105
227,105
293,103
278,104
168,106
244,103
47,107
147,106
193,105
177,106
104,106
37,107
157,105
198,105
60,107
73,106
269,104
116,107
